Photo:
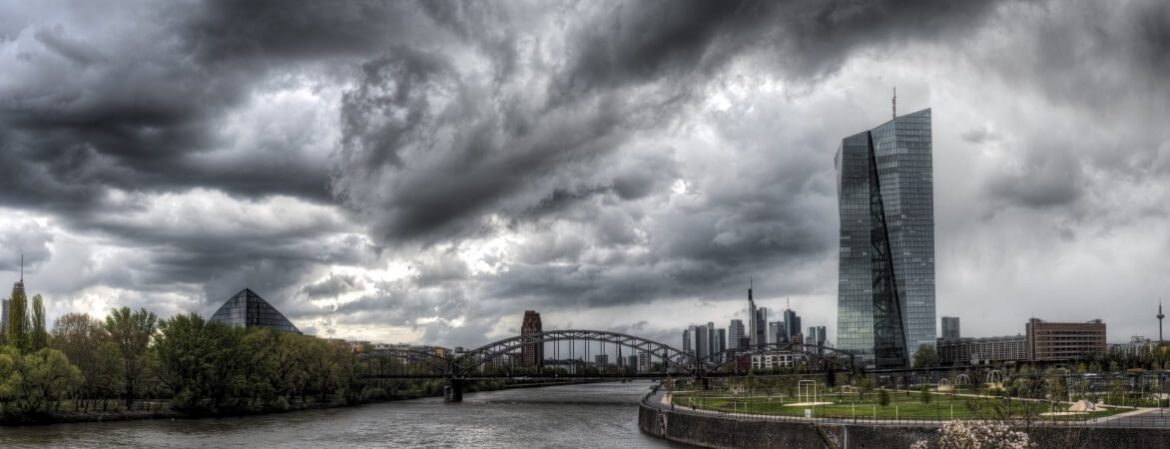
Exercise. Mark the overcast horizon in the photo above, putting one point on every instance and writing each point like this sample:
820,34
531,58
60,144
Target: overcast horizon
424,172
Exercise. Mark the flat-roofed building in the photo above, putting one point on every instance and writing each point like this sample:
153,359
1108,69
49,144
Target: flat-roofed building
981,351
1047,341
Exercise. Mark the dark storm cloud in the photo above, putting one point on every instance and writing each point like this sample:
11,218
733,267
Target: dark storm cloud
1122,93
270,32
557,124
430,150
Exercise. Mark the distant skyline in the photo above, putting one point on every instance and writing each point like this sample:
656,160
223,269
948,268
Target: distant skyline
425,172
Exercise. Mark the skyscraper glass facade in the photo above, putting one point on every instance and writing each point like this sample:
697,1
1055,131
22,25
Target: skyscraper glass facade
885,295
735,332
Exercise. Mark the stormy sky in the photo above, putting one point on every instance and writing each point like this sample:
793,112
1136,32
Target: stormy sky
426,171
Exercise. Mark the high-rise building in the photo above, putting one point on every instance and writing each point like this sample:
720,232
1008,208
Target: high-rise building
734,333
816,336
791,324
3,316
688,340
753,336
643,362
702,342
248,309
720,341
531,353
761,325
776,332
601,360
885,299
950,328
712,347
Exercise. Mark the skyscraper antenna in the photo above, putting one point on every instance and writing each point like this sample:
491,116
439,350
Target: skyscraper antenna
894,102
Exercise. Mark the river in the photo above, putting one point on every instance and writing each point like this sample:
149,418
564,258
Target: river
573,416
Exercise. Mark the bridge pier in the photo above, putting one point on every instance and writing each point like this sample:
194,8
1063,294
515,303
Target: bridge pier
453,390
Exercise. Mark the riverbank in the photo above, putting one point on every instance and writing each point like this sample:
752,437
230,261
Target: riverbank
162,410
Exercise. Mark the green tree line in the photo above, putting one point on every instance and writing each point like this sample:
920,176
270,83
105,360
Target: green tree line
84,364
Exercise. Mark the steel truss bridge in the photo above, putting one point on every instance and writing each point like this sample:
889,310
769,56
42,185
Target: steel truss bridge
566,354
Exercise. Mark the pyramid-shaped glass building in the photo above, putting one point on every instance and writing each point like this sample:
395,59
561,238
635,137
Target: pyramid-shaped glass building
248,309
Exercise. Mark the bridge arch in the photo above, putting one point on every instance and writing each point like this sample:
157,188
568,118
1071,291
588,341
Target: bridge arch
467,363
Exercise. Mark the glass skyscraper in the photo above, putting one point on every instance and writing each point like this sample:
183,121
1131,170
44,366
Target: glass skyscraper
885,292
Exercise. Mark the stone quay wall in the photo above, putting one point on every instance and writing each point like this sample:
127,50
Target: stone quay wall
743,432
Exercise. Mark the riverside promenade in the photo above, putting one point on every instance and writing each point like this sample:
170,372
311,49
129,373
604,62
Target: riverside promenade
1137,429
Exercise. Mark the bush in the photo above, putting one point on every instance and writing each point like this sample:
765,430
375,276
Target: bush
883,398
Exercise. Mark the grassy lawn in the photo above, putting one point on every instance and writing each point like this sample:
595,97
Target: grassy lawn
902,406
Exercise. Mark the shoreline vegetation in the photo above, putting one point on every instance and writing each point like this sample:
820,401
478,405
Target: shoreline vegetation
134,365
111,410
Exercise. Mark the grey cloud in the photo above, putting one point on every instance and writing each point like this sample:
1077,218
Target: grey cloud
24,239
557,124
70,48
335,285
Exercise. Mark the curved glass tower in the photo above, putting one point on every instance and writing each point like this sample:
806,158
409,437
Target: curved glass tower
885,286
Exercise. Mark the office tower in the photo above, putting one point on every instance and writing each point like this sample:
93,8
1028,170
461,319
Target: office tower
601,360
247,309
816,336
712,347
686,347
776,332
3,316
734,333
632,364
531,353
721,341
885,299
950,328
643,362
761,325
752,324
702,342
792,324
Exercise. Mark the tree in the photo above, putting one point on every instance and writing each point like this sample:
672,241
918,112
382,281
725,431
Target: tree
925,357
38,337
924,394
33,380
17,334
864,385
131,333
883,397
1057,389
88,347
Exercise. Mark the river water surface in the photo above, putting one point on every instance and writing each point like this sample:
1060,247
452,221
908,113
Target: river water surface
574,416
